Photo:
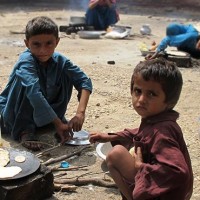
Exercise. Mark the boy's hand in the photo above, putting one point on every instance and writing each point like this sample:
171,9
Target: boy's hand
64,132
98,137
198,45
76,122
138,158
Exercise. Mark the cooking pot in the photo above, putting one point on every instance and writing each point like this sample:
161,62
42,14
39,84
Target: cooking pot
75,20
90,34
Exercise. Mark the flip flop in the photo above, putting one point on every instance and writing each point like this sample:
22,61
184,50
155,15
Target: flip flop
29,141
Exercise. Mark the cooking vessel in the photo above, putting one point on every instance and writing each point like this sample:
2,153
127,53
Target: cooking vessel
29,166
90,34
147,52
75,20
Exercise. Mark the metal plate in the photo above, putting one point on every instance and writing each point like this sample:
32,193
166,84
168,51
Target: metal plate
29,166
177,53
79,138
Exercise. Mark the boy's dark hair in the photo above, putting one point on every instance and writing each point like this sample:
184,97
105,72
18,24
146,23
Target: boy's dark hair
164,72
41,25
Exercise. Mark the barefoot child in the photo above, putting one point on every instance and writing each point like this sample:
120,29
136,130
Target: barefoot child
40,87
159,167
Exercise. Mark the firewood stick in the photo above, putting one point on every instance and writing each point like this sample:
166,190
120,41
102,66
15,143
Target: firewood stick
54,160
80,182
64,187
58,175
58,168
47,150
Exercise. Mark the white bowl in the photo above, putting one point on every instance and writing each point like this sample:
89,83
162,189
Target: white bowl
102,149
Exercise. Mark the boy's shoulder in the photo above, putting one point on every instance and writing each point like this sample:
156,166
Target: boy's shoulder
166,124
164,121
57,56
170,115
25,54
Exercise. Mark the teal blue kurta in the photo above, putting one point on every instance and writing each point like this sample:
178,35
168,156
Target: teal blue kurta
35,95
184,37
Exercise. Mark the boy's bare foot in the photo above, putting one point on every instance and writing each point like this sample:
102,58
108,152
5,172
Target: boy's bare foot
29,141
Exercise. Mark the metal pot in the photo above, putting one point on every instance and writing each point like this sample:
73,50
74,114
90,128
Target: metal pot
75,20
145,30
90,34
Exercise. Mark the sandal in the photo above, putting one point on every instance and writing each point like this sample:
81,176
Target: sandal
29,141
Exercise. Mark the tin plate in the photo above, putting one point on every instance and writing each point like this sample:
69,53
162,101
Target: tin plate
79,138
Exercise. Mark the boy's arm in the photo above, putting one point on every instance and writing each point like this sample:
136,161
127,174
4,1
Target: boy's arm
77,121
93,4
103,137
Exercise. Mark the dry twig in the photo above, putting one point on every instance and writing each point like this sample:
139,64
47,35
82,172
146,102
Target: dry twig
58,168
80,182
47,150
54,160
64,187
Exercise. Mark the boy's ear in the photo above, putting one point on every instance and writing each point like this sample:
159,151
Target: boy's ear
170,106
26,43
57,41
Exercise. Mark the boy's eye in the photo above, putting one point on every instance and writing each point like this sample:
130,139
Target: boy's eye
137,91
151,94
36,44
49,43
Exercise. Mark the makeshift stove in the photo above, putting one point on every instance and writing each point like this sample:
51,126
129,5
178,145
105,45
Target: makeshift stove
34,182
76,24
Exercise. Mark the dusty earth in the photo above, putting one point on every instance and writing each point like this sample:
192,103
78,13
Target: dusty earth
109,108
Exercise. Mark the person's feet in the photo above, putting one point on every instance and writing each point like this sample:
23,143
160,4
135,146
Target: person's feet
29,141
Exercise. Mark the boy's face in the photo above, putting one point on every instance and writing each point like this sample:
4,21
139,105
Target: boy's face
42,46
148,97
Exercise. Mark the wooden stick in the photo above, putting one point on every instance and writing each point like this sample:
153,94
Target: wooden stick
64,187
54,160
80,182
58,168
47,150
58,175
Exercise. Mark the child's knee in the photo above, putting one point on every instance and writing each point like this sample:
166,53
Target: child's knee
113,156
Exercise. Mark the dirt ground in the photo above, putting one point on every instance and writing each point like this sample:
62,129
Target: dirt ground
109,108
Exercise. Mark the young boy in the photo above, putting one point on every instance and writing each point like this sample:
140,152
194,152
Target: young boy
40,87
160,166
